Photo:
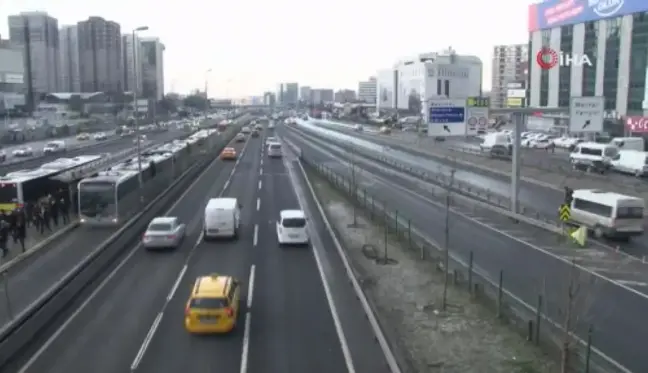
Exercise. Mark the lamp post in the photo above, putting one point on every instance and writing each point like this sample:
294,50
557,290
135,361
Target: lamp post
136,111
206,95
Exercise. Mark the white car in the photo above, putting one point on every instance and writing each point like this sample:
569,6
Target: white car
142,138
25,151
99,136
163,232
542,143
54,147
358,128
271,140
292,228
271,126
83,137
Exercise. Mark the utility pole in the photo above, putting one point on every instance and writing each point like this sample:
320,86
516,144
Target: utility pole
138,139
518,120
446,240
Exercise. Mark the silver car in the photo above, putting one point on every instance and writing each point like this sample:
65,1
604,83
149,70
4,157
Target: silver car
163,233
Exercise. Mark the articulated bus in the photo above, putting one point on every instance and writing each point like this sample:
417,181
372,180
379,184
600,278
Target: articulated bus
19,187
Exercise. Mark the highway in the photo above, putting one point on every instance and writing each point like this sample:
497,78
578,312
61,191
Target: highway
537,197
30,278
529,261
134,320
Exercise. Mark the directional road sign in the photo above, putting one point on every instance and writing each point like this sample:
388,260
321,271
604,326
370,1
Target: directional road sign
586,114
446,117
564,212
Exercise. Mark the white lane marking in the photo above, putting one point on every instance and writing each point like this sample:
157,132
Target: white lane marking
145,344
346,352
260,171
226,184
147,341
259,185
262,159
177,283
255,240
258,203
251,286
246,344
26,367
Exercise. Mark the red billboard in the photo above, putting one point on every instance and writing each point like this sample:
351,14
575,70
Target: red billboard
636,124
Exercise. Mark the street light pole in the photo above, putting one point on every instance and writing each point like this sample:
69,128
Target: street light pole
136,110
206,95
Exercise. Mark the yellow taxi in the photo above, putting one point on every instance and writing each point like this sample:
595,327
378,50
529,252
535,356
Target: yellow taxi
228,154
213,306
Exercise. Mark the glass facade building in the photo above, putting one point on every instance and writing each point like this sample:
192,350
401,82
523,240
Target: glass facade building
616,46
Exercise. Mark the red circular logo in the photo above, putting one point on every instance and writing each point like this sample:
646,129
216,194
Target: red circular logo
547,58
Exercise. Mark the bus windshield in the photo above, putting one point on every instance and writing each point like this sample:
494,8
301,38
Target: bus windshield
97,200
8,193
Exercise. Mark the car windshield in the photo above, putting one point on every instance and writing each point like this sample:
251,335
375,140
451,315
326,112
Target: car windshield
275,147
52,145
209,303
294,223
160,227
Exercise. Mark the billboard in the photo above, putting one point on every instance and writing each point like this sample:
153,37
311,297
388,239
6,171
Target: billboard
555,13
516,93
636,124
514,102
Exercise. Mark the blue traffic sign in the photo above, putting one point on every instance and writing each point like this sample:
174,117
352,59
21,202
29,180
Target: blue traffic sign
447,114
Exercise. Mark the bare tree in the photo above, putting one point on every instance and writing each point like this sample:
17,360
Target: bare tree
577,303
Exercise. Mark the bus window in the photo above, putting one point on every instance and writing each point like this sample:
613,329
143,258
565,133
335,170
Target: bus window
8,193
97,200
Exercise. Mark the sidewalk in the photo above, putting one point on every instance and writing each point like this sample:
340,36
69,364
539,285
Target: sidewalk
33,242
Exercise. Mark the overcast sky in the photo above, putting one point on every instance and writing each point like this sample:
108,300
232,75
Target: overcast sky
251,45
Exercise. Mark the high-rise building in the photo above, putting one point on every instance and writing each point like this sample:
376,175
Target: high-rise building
37,32
269,99
367,90
609,36
69,68
152,68
291,94
386,92
132,57
322,96
305,94
345,95
510,72
13,89
100,58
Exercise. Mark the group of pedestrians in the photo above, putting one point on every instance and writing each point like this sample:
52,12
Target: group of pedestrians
48,212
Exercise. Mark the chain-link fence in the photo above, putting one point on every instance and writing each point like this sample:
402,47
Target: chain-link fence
491,289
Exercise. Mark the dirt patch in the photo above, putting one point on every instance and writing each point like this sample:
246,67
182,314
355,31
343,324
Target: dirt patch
407,295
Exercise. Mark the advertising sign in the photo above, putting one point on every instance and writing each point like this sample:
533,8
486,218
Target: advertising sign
477,121
516,93
514,102
515,85
636,124
555,13
446,117
586,114
12,78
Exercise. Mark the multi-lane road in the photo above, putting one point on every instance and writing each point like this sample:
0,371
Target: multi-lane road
300,313
531,260
31,277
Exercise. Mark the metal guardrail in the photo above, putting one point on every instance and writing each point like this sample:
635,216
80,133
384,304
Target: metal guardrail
25,326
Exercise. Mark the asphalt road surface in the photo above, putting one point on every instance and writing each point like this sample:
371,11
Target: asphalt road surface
528,259
541,199
30,278
134,320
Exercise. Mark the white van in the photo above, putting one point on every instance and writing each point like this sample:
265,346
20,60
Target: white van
222,218
629,143
631,162
291,228
593,155
274,150
608,214
499,142
54,147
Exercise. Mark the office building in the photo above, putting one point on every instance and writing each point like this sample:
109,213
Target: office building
152,68
100,61
37,33
367,91
437,75
386,92
510,74
132,65
305,94
345,95
269,99
321,96
13,87
614,38
69,68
